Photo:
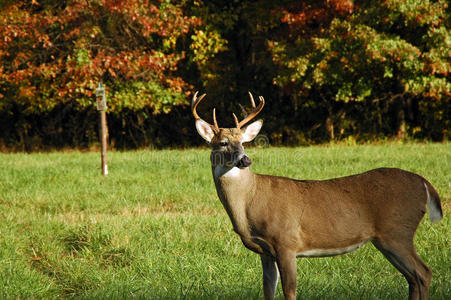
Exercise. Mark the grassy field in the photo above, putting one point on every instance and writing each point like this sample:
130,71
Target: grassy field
154,228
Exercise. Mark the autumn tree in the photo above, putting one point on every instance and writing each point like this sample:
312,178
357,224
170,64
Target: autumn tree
328,69
57,51
383,53
349,67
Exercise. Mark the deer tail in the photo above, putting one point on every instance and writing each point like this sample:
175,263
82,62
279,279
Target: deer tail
433,202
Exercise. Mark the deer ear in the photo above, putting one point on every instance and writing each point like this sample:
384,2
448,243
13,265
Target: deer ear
251,131
205,130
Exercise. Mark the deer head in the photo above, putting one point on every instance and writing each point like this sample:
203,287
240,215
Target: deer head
227,143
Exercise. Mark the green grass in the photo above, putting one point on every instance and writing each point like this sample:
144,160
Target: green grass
155,229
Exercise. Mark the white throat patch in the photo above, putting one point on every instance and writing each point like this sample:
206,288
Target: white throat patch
222,171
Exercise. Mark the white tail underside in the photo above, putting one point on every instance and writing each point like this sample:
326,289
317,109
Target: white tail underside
434,212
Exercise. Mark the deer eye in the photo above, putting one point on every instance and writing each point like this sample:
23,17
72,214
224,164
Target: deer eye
223,144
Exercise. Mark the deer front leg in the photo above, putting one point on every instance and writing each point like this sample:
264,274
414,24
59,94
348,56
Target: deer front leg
286,261
270,276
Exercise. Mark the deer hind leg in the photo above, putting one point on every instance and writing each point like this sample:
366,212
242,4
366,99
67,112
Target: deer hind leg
406,260
270,276
425,276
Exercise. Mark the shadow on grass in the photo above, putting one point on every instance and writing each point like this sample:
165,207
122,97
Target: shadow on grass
371,291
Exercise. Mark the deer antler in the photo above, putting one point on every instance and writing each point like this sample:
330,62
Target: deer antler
194,104
253,114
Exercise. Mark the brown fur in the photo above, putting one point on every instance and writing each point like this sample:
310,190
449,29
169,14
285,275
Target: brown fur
279,217
282,218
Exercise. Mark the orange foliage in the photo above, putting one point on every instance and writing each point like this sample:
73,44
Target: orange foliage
61,50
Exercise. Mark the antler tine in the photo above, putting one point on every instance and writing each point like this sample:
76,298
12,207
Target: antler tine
237,123
252,99
253,114
215,123
195,102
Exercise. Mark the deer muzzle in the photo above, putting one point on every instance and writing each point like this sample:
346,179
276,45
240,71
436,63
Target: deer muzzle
244,162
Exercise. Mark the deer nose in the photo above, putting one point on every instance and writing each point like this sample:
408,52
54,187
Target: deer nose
244,162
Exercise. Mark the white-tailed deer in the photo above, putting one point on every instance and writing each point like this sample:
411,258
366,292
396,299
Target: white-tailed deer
282,218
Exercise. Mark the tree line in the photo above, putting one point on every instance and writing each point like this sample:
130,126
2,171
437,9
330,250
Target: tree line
329,70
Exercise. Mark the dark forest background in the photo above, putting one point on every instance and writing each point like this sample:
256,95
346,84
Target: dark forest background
329,70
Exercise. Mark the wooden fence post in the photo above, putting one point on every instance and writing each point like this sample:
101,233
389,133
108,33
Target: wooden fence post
101,107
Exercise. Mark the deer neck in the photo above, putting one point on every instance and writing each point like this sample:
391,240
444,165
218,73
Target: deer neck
235,188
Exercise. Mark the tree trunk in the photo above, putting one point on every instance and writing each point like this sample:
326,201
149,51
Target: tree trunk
401,132
330,127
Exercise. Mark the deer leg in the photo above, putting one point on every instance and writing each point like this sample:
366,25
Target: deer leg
286,262
425,276
404,258
270,276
